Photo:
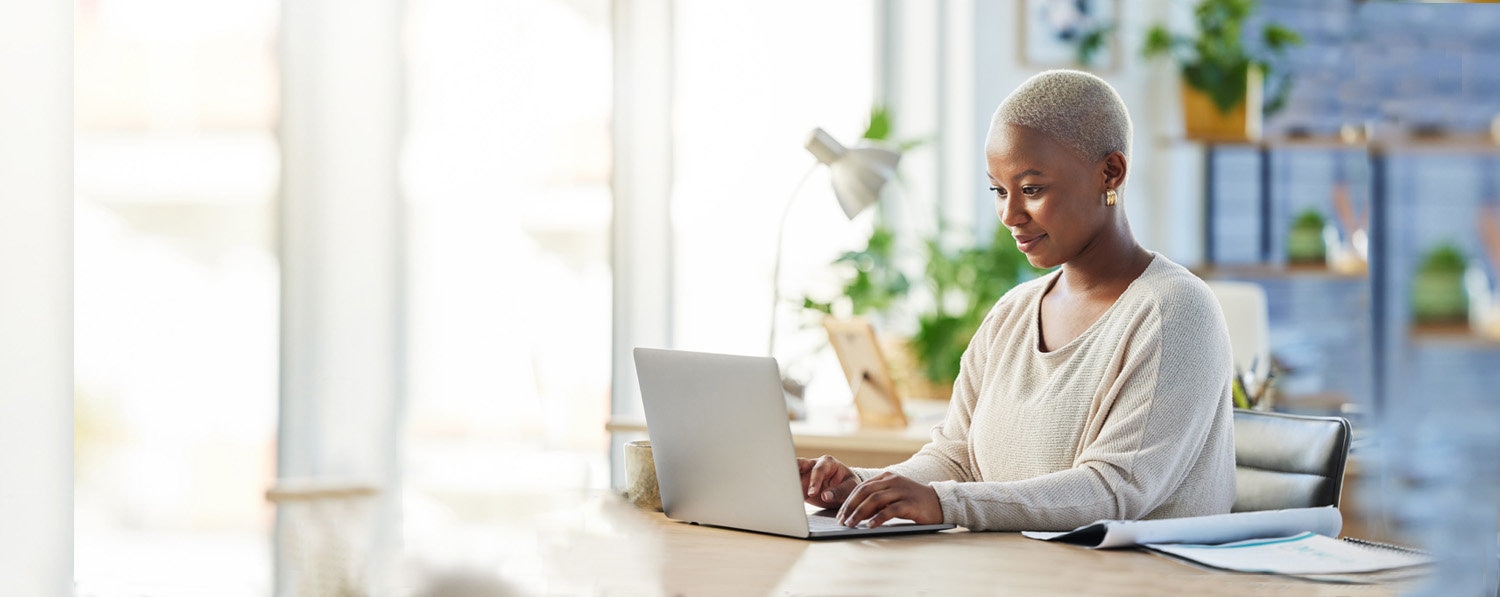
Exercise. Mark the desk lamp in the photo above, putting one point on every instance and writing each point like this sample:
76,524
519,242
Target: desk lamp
857,175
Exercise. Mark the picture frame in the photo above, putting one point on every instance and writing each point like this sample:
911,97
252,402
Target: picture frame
864,365
1051,31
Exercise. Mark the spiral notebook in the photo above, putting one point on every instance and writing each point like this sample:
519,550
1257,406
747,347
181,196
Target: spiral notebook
1302,554
1295,542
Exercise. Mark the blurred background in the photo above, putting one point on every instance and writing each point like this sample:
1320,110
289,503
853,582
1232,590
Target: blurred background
410,243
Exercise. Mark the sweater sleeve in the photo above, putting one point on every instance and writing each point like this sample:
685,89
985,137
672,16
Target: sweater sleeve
1174,375
946,457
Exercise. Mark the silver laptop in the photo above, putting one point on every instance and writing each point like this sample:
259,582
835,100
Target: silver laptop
723,449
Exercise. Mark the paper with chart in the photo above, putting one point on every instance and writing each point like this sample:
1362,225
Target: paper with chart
1307,553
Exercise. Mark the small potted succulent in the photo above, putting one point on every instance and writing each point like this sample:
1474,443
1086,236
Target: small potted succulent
1304,241
1438,295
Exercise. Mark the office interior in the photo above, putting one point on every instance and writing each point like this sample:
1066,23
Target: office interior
407,246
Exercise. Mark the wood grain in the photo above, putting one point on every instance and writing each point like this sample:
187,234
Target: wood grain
600,545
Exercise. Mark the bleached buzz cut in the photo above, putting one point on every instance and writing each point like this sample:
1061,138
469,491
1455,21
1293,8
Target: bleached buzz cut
1074,107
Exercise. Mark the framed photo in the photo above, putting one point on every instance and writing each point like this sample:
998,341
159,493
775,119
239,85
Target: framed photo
865,367
1052,32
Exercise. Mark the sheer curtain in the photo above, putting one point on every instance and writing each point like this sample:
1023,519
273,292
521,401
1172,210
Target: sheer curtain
175,294
506,173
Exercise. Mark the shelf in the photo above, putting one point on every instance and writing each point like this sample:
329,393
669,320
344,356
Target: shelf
1274,142
1323,141
1383,143
1444,143
1453,334
1289,270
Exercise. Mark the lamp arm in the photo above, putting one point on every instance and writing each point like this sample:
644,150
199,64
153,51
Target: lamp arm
776,268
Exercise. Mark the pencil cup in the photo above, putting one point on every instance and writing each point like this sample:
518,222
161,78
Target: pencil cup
640,476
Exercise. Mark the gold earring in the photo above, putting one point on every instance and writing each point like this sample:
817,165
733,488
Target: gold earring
1111,196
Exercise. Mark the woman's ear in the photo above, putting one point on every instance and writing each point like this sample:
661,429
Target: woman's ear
1114,168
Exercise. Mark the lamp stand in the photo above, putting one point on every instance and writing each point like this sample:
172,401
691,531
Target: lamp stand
776,268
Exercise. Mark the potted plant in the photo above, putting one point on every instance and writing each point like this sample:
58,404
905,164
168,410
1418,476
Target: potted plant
964,282
1304,242
1438,295
1222,78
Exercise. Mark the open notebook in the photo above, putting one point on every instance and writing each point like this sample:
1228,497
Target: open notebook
1298,541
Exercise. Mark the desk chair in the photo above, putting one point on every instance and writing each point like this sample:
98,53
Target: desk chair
1288,461
1244,306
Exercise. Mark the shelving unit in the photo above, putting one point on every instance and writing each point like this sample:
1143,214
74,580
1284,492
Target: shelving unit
1289,270
1453,145
1267,269
1426,417
1390,335
1265,199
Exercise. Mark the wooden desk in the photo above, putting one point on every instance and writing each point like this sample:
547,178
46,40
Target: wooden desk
598,544
846,440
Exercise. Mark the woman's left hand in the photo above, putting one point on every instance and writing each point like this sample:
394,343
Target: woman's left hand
889,495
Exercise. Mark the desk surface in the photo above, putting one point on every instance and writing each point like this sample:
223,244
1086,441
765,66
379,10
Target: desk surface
599,544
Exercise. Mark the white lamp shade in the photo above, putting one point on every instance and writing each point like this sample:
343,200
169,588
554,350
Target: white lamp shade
858,174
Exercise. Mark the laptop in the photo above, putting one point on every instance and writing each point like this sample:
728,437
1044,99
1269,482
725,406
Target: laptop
723,448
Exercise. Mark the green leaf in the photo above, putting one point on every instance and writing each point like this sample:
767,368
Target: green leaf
1091,42
811,305
880,124
1445,257
1280,38
1215,59
1158,42
1310,219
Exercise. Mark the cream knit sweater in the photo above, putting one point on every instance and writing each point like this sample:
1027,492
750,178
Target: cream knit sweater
1130,420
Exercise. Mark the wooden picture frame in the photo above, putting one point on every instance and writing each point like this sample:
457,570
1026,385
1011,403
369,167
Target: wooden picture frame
865,368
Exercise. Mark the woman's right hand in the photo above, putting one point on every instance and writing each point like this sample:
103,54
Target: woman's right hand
826,482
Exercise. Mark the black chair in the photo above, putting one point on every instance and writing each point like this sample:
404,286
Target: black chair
1288,461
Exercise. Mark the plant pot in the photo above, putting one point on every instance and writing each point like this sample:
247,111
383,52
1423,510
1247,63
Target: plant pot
906,372
1439,297
1203,121
1305,245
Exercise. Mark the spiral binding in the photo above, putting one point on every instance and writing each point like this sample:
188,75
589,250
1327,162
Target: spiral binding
1379,545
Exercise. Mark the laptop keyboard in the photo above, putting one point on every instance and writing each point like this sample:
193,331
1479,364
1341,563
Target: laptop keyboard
819,523
822,523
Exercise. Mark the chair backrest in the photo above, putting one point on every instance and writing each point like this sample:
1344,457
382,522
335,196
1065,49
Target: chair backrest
1244,306
1288,461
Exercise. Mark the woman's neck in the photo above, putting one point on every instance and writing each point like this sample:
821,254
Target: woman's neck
1106,266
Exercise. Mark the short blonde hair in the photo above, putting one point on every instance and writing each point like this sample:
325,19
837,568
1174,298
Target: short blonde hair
1074,107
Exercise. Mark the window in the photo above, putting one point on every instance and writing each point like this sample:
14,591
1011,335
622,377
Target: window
507,180
175,295
752,80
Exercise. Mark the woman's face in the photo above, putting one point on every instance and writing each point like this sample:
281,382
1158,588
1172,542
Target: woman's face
1048,196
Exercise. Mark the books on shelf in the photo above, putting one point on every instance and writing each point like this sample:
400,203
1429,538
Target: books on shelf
1297,542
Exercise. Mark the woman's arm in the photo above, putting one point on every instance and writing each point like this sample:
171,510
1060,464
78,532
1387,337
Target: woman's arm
946,456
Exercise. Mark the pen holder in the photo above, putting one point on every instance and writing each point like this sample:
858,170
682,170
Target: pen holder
640,476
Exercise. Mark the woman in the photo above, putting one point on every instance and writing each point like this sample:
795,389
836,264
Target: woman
1099,391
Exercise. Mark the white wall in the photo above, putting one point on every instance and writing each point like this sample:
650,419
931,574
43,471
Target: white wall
36,298
641,227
